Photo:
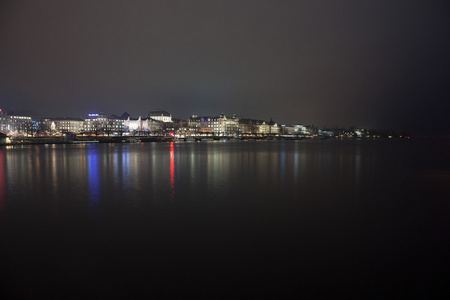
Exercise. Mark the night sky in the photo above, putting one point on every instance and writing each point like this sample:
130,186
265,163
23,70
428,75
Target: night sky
375,64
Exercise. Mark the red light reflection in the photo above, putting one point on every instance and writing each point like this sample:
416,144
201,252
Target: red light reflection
172,172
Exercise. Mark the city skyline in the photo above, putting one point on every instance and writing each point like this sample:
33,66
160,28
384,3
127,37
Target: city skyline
175,119
160,123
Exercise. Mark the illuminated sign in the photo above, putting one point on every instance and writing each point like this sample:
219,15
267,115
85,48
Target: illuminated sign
93,115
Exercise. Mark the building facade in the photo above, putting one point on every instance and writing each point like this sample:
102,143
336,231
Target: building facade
301,130
65,125
15,126
160,115
140,126
249,126
258,127
95,124
220,125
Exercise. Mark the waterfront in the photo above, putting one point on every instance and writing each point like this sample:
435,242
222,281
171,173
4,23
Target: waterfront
362,218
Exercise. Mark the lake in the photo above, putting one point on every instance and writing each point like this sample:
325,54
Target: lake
318,218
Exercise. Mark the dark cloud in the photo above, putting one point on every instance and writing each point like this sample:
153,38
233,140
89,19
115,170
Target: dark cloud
369,63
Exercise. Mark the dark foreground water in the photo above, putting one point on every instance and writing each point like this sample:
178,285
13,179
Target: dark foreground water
234,219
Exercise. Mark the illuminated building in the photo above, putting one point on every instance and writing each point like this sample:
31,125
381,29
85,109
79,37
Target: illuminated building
99,124
15,125
65,125
249,126
160,115
115,125
300,129
220,125
139,125
199,124
274,129
95,124
287,129
254,127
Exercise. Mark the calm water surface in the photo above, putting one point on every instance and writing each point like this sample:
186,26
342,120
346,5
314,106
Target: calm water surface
313,218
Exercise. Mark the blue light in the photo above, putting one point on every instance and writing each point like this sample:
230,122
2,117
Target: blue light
93,115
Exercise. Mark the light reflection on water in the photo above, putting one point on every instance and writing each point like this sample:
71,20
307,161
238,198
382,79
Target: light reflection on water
309,213
94,176
172,172
119,175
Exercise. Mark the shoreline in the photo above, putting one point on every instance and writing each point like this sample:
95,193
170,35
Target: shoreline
160,139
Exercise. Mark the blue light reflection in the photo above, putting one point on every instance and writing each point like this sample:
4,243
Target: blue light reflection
93,176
